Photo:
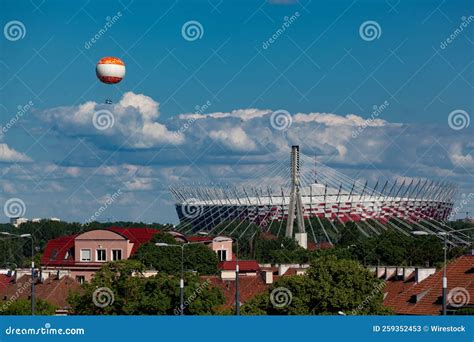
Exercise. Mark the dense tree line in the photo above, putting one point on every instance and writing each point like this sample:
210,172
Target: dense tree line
197,257
119,289
331,286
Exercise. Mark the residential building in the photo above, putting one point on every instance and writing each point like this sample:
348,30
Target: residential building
81,255
418,291
17,221
222,245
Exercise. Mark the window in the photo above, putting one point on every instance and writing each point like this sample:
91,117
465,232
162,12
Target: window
222,254
69,254
54,254
100,255
116,254
85,255
81,279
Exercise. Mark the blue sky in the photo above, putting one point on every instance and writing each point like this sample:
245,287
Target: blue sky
320,63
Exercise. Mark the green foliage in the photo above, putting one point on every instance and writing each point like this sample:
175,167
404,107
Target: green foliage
23,307
330,286
197,257
278,250
137,295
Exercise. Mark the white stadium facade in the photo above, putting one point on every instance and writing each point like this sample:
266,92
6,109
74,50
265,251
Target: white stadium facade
319,194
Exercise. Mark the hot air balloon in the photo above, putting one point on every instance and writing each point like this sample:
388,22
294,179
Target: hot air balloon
110,70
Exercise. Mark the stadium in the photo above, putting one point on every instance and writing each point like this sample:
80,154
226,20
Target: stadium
313,195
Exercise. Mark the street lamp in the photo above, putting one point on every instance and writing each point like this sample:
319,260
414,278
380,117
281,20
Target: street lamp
445,278
237,285
28,236
181,281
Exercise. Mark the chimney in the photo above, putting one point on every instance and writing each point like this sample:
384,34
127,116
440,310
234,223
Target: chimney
421,273
380,271
268,276
282,269
407,271
390,272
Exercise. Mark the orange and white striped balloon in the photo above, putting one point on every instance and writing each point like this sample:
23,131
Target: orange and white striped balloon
110,70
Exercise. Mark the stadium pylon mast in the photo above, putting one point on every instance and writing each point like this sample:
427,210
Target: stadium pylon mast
295,208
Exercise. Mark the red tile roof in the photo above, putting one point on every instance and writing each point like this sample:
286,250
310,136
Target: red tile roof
137,236
52,290
58,246
5,281
61,245
395,286
249,287
322,245
199,239
244,265
400,297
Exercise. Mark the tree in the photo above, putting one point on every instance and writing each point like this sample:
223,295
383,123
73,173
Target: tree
23,307
330,286
278,250
134,294
197,257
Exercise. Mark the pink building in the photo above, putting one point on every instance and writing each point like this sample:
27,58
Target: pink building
222,245
81,255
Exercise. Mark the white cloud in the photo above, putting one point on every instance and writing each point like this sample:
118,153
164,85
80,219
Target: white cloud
458,158
233,138
139,184
337,120
243,114
134,118
9,155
